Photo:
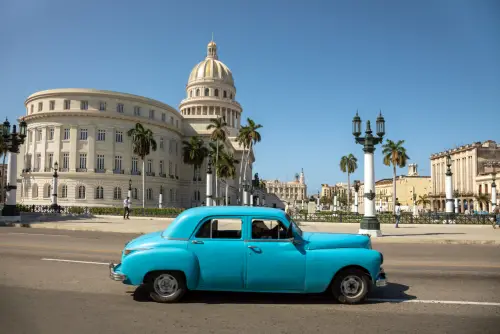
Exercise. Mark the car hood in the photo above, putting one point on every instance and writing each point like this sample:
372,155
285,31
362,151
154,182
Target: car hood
145,240
317,240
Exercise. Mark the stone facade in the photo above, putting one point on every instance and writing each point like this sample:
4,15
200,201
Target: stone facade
292,192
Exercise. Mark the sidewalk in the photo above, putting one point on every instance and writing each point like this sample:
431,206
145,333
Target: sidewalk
414,233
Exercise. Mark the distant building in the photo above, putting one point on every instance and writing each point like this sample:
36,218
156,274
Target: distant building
292,192
474,166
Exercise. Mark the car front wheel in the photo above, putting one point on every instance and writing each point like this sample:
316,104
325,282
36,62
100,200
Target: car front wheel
167,287
350,286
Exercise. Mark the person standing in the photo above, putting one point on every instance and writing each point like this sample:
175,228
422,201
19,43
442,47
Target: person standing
398,213
126,208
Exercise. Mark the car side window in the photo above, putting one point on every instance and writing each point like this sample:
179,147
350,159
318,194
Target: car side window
268,229
220,228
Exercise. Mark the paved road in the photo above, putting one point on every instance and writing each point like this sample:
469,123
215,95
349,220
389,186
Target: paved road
39,295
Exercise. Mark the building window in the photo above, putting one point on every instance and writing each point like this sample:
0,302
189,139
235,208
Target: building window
216,92
64,191
149,196
177,123
161,167
99,192
84,105
150,166
225,94
207,91
83,160
102,106
66,134
101,135
198,92
163,117
135,164
100,162
175,170
135,193
119,136
52,105
137,111
161,143
47,191
118,163
84,134
38,161
67,104
51,133
191,93
40,106
171,120
80,192
119,108
231,96
65,164
38,135
170,168
117,193
171,195
50,160
152,114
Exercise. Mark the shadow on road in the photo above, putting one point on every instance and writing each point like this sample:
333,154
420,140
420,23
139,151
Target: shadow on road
392,291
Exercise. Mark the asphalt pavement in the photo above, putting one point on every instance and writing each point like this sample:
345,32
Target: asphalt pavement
56,281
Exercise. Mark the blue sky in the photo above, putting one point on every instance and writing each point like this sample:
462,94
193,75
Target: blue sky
301,68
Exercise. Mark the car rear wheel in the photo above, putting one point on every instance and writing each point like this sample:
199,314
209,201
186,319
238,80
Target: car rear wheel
350,286
167,286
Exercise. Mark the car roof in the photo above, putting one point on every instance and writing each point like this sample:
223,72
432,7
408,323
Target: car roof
182,227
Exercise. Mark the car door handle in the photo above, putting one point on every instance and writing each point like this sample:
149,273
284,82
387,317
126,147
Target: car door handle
253,247
197,242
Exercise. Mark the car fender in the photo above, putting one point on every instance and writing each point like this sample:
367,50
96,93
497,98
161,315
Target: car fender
137,264
323,264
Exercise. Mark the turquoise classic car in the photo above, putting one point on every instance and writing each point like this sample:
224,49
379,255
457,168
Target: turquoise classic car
252,249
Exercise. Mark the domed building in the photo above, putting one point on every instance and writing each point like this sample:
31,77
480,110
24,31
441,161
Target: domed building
85,132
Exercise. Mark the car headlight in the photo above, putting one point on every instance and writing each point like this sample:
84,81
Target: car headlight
127,251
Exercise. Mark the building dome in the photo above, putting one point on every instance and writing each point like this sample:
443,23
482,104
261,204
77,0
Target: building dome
211,68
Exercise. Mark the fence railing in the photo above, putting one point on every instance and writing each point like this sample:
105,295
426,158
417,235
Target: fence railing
90,211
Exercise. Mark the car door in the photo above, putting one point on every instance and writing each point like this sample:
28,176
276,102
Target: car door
219,246
274,263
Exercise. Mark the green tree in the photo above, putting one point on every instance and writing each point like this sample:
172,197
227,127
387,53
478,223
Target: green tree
253,136
227,169
423,200
395,155
143,143
194,153
348,164
216,152
325,200
219,134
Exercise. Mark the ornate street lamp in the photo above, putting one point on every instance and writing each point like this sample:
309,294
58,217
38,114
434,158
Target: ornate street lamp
129,193
209,181
357,185
449,186
12,141
369,224
493,193
54,205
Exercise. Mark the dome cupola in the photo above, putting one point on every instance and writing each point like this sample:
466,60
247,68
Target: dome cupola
211,69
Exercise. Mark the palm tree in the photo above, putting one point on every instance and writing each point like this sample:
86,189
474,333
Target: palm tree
143,143
194,153
244,141
395,155
219,133
216,151
227,169
253,137
3,152
348,164
423,200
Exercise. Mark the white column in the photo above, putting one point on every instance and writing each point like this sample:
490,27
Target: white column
493,197
335,203
449,194
250,195
415,211
10,214
209,189
160,201
356,204
54,189
370,212
456,205
245,198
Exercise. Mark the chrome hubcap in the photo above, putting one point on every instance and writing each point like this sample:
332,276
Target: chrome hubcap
166,285
351,286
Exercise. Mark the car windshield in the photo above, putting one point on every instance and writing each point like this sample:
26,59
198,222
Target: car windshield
294,225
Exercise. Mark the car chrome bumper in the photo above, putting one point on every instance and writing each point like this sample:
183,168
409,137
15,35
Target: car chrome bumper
114,275
381,279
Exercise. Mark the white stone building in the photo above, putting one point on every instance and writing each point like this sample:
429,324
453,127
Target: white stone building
292,192
85,131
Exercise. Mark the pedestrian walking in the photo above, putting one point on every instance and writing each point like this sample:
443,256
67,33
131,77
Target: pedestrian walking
496,221
398,213
126,208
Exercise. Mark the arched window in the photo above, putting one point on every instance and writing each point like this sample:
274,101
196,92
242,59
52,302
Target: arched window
207,91
198,92
171,197
64,191
80,193
135,193
231,97
99,192
191,93
225,94
149,194
34,191
216,92
117,193
48,191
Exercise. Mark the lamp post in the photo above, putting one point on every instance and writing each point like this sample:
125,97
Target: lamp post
493,194
129,193
335,200
369,224
263,199
246,187
160,198
54,205
449,186
415,213
251,195
12,141
209,181
357,184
